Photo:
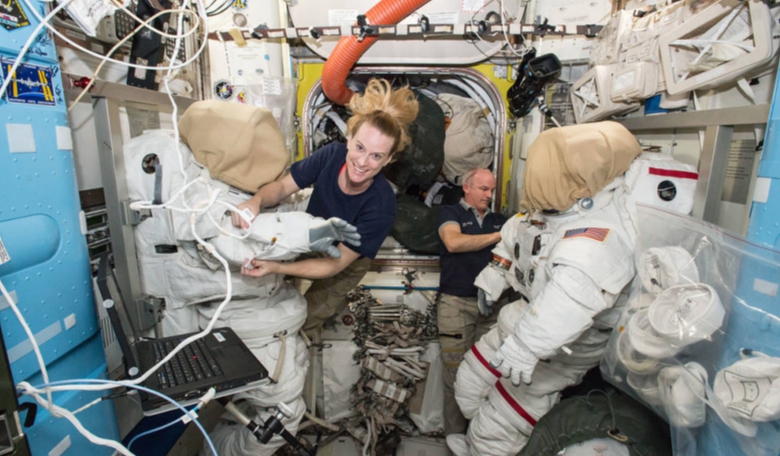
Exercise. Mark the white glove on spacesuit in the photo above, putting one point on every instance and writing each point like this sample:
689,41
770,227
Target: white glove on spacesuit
514,360
323,234
492,283
485,305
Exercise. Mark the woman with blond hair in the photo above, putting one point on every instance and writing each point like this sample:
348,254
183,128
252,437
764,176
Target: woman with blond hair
349,185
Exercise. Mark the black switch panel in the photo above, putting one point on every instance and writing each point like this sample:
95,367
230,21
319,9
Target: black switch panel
148,47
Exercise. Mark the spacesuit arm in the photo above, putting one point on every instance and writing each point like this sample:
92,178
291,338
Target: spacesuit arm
269,195
492,280
282,236
561,312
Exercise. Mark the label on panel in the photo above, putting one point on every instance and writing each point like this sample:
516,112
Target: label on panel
30,84
12,16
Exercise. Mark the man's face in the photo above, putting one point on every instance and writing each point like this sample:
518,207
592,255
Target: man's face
478,192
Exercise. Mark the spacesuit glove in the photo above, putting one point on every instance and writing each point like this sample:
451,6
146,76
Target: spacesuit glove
485,304
514,360
492,282
322,234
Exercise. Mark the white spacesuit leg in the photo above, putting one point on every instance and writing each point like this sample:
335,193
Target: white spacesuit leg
514,410
475,375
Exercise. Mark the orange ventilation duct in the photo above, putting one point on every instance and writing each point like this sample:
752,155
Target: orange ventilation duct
348,50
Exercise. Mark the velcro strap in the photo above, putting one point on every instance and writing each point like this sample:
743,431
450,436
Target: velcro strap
158,179
501,262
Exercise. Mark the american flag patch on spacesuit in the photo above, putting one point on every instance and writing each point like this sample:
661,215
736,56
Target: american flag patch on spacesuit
597,234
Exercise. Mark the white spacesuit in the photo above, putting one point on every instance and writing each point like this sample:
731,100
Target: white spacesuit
571,264
265,312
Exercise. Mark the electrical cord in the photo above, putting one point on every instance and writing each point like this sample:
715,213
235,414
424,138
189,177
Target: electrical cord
45,22
76,384
33,342
191,415
200,208
506,37
121,42
203,22
157,429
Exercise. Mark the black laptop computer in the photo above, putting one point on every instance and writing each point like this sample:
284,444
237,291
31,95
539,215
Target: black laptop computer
220,359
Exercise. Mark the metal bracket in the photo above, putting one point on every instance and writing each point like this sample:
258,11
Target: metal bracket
365,28
589,30
150,311
132,217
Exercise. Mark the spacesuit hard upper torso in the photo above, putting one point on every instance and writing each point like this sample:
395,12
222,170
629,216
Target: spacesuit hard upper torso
592,236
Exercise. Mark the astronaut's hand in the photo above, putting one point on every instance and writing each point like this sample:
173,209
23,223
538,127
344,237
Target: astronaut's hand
322,235
258,268
514,360
245,210
485,304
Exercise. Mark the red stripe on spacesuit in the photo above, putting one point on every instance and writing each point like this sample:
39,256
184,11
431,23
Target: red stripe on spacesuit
484,361
672,173
511,401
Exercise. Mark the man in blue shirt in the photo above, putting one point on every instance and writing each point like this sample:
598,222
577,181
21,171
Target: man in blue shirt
468,232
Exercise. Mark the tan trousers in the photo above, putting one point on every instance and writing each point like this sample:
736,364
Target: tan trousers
328,297
460,326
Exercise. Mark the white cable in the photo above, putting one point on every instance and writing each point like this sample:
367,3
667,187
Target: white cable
122,41
368,438
45,22
58,411
130,13
55,410
526,50
30,40
101,57
321,422
36,348
84,407
71,385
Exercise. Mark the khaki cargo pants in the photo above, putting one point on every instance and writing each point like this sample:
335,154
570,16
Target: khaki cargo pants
328,297
460,326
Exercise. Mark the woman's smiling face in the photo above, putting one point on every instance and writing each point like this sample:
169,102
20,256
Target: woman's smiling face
368,151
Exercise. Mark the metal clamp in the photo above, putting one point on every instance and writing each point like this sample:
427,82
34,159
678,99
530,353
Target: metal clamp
132,217
365,28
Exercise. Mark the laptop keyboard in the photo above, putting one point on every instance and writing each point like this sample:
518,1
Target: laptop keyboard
191,364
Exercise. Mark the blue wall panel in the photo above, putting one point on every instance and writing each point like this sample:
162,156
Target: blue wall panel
48,272
754,320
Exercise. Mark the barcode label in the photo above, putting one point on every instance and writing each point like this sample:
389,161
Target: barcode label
272,87
4,257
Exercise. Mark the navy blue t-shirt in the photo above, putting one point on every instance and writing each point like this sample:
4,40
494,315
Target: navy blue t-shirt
459,270
372,211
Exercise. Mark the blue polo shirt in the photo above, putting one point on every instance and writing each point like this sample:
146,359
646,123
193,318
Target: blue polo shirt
459,270
372,211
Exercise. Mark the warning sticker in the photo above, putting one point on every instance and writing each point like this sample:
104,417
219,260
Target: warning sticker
30,84
4,257
12,16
